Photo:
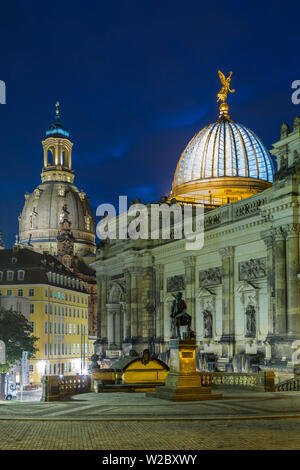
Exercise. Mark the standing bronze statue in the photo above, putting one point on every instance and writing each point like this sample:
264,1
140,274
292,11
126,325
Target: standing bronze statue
179,316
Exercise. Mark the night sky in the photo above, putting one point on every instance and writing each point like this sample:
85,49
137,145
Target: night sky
136,80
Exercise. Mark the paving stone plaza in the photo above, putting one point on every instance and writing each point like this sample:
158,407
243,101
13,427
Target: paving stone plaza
125,421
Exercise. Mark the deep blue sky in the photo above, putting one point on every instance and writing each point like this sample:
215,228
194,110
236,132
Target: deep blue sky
136,80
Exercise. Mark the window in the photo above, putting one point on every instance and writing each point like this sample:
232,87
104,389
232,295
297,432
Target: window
10,275
78,329
59,328
62,296
63,329
50,309
55,327
31,369
74,312
77,348
31,308
69,366
58,295
46,327
20,293
46,292
50,327
70,312
9,292
55,294
58,349
50,353
54,349
70,348
14,260
31,292
55,309
70,328
59,310
78,314
46,349
0,293
32,326
50,294
74,329
46,308
63,311
1,275
21,275
74,348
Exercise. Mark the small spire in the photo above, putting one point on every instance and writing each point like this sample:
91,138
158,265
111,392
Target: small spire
57,116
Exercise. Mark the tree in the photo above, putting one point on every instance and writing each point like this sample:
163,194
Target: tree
16,332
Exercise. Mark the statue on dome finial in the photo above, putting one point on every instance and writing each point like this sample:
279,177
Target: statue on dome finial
222,95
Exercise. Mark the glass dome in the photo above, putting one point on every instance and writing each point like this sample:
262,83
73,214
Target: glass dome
225,149
224,155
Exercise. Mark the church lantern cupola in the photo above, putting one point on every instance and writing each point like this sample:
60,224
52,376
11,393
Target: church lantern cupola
57,152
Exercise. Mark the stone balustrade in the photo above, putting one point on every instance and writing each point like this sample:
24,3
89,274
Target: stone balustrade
262,381
55,388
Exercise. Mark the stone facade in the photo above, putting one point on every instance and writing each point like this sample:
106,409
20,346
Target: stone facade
241,288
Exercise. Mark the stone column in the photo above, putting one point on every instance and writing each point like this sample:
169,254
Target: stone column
101,308
127,306
159,288
228,335
280,282
268,237
110,325
292,270
190,266
134,303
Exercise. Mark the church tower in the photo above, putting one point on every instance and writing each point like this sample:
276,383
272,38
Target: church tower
39,222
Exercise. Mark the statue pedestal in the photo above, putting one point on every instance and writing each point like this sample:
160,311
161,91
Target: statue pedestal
183,383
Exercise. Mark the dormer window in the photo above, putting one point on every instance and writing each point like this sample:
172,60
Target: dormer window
10,275
14,261
21,275
1,275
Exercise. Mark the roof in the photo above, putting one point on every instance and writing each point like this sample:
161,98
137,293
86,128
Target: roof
36,267
124,362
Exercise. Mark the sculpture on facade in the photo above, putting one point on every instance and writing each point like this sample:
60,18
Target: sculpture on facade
250,321
208,321
179,316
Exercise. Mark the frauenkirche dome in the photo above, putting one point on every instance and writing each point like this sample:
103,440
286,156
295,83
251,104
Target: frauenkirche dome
224,162
40,217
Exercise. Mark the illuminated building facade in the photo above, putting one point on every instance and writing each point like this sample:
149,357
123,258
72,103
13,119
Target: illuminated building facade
242,287
55,302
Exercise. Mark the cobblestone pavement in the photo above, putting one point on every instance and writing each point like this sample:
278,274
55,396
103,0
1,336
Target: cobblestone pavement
278,434
136,422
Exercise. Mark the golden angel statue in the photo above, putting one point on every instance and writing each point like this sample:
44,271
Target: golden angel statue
222,95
